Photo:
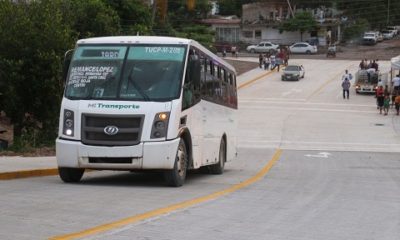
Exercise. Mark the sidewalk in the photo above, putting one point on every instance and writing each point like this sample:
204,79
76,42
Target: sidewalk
13,167
23,167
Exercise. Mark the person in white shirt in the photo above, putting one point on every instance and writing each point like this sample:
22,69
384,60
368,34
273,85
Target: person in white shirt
346,75
396,82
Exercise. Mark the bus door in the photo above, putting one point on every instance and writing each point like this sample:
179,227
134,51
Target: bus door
191,109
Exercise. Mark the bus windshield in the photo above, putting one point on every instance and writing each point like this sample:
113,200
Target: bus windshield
135,72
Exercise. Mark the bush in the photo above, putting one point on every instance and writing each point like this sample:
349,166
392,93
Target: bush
354,32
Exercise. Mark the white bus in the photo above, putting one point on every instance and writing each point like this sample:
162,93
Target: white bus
146,103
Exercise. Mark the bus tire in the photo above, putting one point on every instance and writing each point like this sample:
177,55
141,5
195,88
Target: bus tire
176,176
218,168
70,175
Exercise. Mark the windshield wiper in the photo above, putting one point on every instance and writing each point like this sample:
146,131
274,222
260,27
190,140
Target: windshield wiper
137,87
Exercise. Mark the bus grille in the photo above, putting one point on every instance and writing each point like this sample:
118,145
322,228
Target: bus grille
129,129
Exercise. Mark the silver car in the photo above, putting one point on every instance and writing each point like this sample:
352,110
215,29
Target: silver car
293,72
263,47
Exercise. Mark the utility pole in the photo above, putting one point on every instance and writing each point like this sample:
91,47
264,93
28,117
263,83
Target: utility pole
153,12
290,8
388,13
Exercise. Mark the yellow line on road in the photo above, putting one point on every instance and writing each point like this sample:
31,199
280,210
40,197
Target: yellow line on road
327,82
253,80
174,207
28,173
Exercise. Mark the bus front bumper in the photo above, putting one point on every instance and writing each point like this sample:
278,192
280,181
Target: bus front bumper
146,155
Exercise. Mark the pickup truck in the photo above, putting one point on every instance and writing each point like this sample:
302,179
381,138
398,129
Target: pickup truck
366,81
370,38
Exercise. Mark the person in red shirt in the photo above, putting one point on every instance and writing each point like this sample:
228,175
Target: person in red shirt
380,96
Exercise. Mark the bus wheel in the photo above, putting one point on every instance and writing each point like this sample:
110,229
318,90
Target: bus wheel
176,176
218,168
70,174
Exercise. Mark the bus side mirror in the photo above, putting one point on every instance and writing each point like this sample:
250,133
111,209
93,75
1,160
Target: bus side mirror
194,70
67,60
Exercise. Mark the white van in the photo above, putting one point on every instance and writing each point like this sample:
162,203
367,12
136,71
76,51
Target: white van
370,38
395,29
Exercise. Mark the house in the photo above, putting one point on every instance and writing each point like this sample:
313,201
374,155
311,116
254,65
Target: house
260,21
227,28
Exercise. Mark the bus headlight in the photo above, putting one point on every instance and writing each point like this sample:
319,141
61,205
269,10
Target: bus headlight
160,125
68,126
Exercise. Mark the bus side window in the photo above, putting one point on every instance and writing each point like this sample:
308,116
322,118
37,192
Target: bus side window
232,91
209,80
203,89
225,88
203,70
216,84
192,80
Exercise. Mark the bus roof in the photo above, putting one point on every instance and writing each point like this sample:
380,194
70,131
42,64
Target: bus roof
135,39
151,40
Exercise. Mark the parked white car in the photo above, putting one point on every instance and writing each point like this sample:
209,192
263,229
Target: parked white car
395,29
388,34
263,47
303,47
370,38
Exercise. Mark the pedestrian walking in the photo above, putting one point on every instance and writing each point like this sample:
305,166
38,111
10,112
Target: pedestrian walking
347,75
396,82
361,65
375,65
380,96
346,88
386,104
394,95
266,61
397,104
287,53
260,60
273,61
234,51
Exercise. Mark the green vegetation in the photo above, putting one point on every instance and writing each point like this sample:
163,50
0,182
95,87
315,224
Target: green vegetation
354,31
35,35
302,21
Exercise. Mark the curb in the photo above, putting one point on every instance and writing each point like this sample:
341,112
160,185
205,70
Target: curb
28,173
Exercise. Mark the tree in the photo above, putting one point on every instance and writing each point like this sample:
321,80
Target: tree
32,42
379,14
90,18
184,20
302,22
135,17
354,30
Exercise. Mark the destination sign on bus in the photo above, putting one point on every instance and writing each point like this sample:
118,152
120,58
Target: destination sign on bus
100,53
156,53
106,53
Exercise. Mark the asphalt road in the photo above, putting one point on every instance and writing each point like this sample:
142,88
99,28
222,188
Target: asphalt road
311,165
